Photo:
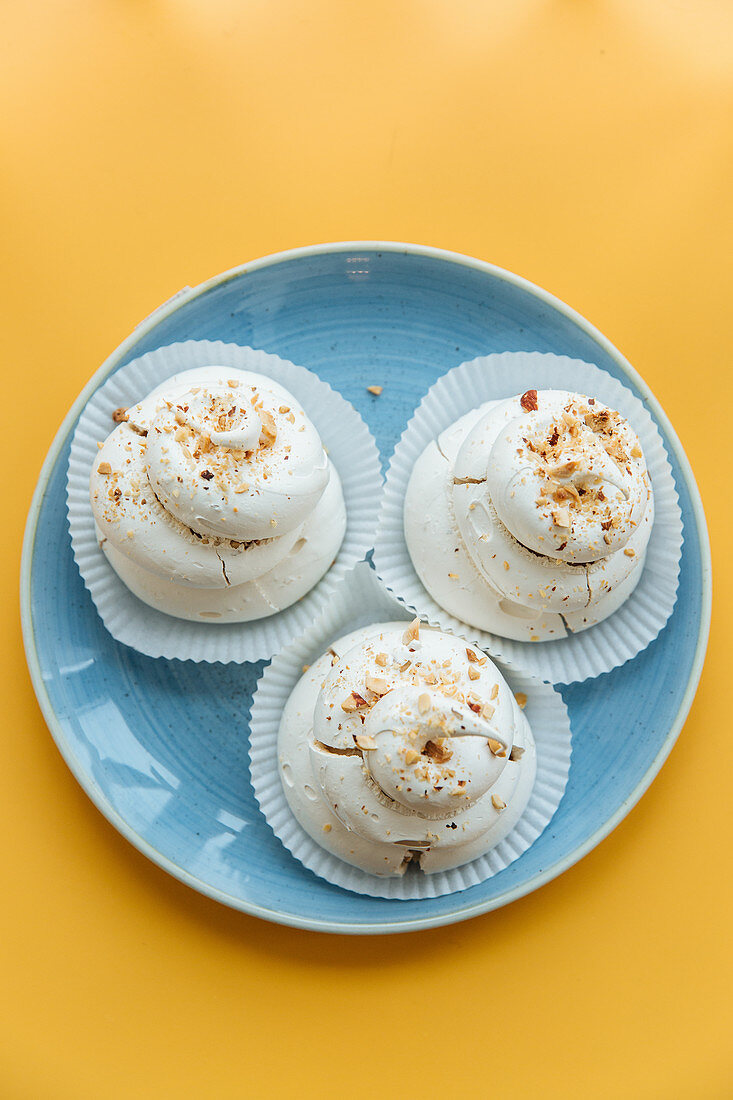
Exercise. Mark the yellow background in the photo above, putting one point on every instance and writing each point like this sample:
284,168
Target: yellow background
147,145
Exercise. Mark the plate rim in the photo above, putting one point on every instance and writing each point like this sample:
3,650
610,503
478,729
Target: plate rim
380,927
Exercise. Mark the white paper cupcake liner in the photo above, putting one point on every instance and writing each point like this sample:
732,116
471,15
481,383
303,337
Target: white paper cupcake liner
350,446
640,619
361,600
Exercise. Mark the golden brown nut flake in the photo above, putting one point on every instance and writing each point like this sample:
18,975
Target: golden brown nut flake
498,803
528,401
521,699
353,702
104,468
120,415
412,633
496,747
376,684
561,516
365,742
376,390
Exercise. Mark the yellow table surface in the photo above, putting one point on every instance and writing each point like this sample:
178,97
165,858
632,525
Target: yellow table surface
148,145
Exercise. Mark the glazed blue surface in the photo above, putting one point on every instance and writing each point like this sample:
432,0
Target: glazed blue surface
162,744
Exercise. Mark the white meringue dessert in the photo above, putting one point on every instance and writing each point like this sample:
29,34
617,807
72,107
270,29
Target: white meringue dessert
530,517
214,500
401,745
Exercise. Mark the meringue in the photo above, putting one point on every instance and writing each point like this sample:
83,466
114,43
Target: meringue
214,499
402,745
530,517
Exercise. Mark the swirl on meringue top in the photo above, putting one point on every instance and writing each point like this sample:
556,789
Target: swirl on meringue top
401,744
214,498
542,517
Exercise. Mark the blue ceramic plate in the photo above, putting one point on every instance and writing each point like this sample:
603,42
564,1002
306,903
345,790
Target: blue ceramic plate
160,746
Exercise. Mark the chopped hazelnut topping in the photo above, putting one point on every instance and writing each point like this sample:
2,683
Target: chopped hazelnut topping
473,673
487,711
284,409
354,702
564,469
472,656
376,390
119,415
528,401
104,468
437,751
561,516
376,684
405,666
232,382
411,757
506,564
521,699
630,552
241,488
494,691
498,803
423,703
453,576
516,753
496,747
365,742
381,660
412,633
636,451
327,828
269,431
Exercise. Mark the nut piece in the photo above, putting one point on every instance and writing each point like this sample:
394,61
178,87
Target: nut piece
354,702
376,390
494,691
423,703
365,742
269,431
521,699
472,656
516,753
498,803
629,552
496,747
120,415
564,469
104,468
411,757
561,516
412,633
437,751
473,673
376,684
528,401
381,660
